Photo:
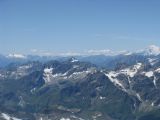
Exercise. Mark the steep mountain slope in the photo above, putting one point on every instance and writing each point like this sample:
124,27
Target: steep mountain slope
75,90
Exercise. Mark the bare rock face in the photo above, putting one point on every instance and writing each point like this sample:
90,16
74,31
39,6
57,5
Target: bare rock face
76,90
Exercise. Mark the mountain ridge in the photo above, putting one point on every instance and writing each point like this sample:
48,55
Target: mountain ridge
123,87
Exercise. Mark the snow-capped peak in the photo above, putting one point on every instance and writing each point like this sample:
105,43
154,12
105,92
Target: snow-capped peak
19,56
73,60
152,50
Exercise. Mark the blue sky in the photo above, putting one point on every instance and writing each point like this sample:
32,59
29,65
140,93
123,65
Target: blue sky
78,25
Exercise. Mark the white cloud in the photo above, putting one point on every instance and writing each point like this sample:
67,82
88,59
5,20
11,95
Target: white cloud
98,52
15,55
34,50
84,53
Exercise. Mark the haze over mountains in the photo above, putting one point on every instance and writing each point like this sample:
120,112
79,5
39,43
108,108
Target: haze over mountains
150,50
79,60
90,55
84,87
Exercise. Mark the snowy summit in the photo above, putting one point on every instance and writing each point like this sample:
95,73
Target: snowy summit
152,50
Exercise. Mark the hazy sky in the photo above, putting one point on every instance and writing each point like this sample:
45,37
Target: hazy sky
77,25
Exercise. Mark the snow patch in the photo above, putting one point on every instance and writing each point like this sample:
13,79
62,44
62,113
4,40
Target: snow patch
76,118
21,101
7,117
152,104
131,71
33,90
48,70
47,74
149,74
112,76
154,82
157,70
65,119
102,98
74,60
152,61
139,97
81,73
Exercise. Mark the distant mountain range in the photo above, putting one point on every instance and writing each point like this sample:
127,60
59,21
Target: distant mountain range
92,56
92,87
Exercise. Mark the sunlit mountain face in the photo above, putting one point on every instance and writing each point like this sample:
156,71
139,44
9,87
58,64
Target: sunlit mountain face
79,59
92,87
